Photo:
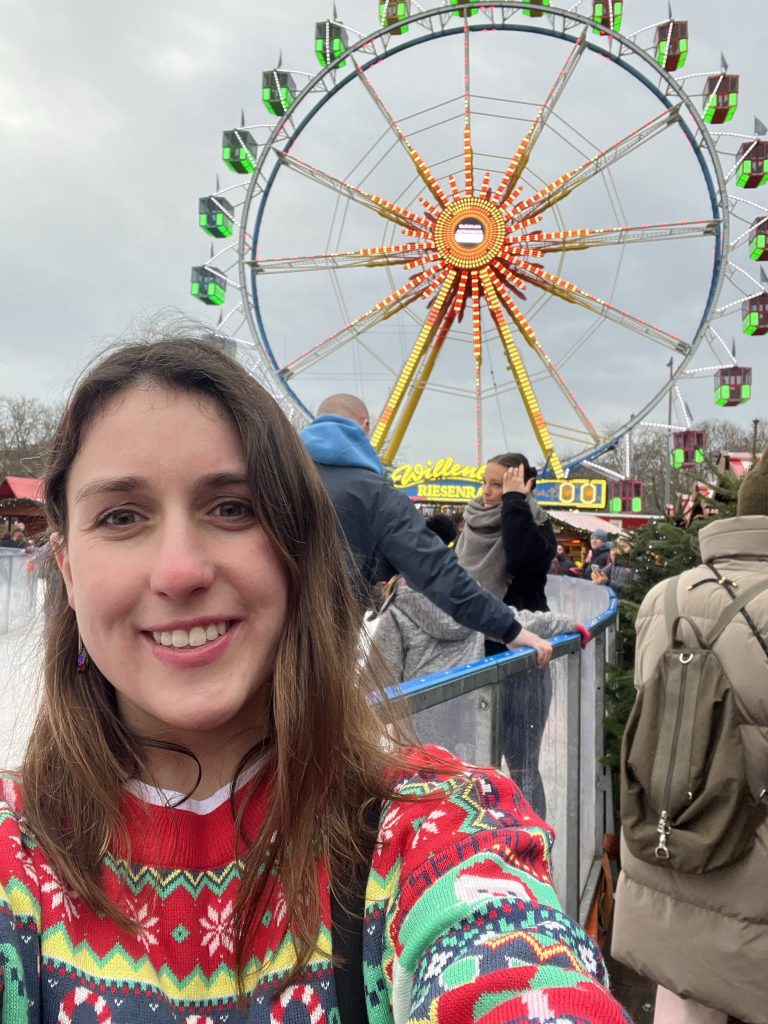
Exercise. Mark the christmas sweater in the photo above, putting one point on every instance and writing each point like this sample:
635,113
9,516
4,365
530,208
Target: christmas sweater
461,922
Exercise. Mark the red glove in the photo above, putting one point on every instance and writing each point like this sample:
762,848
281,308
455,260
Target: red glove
586,636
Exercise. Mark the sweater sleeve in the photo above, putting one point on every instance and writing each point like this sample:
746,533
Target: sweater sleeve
19,925
547,624
433,569
528,548
462,922
389,640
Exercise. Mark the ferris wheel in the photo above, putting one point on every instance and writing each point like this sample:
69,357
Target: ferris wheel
509,222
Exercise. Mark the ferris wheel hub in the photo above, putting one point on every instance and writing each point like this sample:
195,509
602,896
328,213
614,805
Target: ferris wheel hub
469,233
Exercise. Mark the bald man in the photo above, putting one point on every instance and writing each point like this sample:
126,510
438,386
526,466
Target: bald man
387,535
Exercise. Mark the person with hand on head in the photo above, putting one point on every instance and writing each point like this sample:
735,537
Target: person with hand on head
507,545
386,535
214,788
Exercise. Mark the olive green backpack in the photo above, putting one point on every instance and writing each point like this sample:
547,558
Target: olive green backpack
685,800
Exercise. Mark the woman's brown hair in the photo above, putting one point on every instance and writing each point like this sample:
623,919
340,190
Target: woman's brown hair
81,754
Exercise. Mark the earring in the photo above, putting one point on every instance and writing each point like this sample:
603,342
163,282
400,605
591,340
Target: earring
82,655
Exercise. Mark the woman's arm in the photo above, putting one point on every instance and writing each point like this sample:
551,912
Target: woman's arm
528,547
468,927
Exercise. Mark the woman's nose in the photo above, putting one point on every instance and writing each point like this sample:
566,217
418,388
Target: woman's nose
181,565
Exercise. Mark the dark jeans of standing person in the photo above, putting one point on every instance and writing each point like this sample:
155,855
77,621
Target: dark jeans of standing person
525,703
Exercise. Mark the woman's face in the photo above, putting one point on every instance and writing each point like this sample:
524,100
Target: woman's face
180,597
493,479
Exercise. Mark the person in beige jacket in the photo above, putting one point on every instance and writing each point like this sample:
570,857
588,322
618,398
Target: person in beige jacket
704,938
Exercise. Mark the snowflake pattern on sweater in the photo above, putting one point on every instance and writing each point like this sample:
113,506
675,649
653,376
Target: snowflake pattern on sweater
461,924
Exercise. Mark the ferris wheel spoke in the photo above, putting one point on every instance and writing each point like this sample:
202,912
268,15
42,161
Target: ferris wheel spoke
393,303
519,372
469,158
519,161
441,308
391,211
411,253
588,238
422,169
417,388
525,328
558,189
477,347
563,289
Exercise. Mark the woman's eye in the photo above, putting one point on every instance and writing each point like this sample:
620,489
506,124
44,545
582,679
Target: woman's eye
119,517
233,509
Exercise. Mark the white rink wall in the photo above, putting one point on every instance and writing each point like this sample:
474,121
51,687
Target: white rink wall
20,661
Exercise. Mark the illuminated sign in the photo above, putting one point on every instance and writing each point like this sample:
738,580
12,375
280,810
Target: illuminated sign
447,481
444,480
571,493
442,470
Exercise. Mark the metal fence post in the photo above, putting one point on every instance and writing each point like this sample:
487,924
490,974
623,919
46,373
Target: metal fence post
573,784
497,705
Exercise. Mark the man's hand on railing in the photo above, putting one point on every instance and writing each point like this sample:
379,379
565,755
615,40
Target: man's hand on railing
543,648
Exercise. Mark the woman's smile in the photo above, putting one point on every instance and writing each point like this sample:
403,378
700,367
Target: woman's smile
194,636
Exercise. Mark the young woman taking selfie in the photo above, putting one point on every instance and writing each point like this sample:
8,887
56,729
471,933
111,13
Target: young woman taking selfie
213,821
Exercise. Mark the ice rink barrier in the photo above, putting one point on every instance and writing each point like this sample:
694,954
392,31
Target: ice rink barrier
17,590
459,709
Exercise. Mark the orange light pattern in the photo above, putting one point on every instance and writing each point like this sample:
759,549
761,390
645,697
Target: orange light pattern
478,246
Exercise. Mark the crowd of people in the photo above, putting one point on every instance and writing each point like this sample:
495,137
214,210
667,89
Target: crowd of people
217,817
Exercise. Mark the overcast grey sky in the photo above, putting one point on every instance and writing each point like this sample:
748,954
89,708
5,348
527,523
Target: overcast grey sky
110,124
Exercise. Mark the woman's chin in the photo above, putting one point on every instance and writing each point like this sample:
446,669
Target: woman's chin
192,725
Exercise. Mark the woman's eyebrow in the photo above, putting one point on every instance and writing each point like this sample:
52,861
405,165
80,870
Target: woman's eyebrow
123,484
228,477
225,479
109,485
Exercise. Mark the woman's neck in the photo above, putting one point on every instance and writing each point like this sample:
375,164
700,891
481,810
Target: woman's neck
212,765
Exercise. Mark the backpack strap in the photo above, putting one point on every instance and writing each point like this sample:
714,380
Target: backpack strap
673,618
747,617
738,603
347,915
670,606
